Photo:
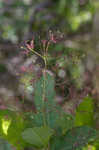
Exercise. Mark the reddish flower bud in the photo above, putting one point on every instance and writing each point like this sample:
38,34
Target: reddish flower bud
52,38
30,44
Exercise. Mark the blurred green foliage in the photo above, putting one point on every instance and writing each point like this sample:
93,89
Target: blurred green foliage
2,68
85,113
66,15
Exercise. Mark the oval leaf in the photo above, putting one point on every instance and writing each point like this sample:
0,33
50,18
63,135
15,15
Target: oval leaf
37,136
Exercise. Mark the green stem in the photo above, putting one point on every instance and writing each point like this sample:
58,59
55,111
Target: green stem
43,98
44,91
36,53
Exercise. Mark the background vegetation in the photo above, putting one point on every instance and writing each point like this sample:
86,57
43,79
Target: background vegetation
72,81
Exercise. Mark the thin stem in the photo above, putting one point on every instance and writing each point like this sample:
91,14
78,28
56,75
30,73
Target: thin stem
46,54
43,96
46,49
44,89
36,53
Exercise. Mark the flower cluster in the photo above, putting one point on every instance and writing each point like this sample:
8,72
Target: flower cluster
30,45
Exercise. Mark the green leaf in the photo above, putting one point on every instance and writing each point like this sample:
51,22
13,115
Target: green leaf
15,130
11,126
52,117
89,147
56,143
85,113
75,138
52,110
57,118
65,122
86,105
49,92
38,94
5,121
80,136
49,104
38,119
37,136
